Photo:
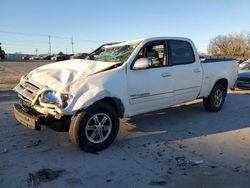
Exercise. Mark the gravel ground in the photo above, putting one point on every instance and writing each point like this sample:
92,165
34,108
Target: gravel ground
183,146
11,71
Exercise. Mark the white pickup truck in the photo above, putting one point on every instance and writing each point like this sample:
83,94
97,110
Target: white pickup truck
120,80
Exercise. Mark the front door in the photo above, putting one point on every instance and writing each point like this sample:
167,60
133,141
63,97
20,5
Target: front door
152,88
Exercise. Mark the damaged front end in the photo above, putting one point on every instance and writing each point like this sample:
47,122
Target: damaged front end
38,104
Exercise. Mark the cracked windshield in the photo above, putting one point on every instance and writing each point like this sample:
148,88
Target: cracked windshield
114,53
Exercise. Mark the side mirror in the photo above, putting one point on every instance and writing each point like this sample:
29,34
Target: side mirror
142,63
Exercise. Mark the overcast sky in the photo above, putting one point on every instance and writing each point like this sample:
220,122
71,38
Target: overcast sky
93,22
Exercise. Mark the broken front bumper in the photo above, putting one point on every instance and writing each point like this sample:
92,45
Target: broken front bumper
25,118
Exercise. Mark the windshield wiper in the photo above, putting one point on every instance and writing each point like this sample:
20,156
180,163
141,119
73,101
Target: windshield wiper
90,57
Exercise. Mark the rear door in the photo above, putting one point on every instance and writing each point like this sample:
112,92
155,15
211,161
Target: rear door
187,70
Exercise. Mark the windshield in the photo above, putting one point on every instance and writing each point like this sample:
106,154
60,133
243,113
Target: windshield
118,52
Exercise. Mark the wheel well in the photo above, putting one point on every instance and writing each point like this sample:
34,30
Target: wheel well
116,103
223,82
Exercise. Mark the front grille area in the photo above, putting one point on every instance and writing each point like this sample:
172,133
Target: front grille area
28,91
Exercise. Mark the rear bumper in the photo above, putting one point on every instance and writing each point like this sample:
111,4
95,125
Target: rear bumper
242,84
25,118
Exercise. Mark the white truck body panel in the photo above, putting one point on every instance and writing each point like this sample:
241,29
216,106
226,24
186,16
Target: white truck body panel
212,72
139,91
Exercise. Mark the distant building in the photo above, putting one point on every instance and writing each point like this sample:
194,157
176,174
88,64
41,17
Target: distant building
13,57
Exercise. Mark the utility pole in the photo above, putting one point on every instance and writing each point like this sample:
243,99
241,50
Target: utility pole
72,43
36,51
49,46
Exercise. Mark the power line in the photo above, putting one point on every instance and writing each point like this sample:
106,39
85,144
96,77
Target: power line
19,33
48,43
52,36
23,45
94,41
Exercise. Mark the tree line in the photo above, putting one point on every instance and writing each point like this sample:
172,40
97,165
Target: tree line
230,45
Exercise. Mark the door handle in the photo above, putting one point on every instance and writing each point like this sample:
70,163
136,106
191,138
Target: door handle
196,70
167,74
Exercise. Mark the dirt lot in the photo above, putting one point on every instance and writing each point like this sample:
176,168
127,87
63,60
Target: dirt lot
11,72
183,146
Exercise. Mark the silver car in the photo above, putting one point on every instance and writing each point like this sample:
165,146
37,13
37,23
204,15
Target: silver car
243,80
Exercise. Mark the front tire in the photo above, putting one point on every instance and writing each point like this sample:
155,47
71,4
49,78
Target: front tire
96,128
215,101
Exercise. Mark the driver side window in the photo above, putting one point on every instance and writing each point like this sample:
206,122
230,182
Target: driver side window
154,52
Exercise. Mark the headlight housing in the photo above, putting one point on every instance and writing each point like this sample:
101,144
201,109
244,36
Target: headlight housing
23,78
57,99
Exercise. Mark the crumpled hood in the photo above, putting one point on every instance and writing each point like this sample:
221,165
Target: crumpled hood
57,75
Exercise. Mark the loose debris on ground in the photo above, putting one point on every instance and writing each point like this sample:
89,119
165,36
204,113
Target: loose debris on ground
34,144
5,150
158,183
182,161
43,175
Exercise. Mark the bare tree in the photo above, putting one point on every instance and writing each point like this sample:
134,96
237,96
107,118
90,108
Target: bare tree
248,44
230,45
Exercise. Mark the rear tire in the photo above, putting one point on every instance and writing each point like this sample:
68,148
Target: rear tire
215,101
95,128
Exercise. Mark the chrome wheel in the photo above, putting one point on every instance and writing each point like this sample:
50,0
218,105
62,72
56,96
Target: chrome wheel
98,128
218,97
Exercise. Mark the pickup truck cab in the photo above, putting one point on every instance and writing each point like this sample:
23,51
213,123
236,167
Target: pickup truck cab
120,80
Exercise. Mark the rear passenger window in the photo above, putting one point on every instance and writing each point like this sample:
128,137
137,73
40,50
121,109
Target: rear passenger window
180,52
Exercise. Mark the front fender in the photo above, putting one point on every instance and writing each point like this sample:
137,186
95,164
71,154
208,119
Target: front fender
83,100
89,98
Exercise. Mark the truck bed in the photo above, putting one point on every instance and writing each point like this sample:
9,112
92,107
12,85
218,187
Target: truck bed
213,59
215,70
